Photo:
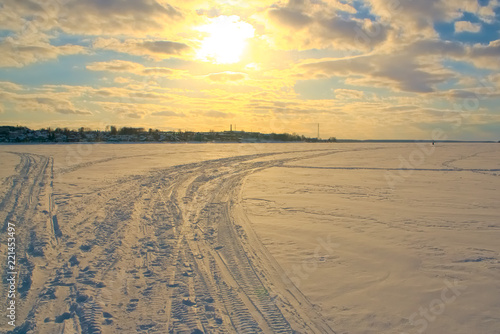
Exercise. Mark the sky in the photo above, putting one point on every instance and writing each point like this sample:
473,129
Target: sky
362,69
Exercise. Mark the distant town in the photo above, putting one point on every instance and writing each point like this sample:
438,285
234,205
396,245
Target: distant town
22,134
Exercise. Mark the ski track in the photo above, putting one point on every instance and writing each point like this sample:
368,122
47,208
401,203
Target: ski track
170,251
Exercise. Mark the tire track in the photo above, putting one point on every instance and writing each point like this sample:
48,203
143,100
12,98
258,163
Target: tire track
212,230
20,207
154,253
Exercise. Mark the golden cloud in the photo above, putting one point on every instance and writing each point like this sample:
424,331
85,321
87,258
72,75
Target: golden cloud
154,49
342,94
135,68
225,77
35,102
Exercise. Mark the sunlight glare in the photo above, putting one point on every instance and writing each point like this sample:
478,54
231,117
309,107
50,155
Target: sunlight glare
226,40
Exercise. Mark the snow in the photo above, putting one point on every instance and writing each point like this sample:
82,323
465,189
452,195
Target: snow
318,238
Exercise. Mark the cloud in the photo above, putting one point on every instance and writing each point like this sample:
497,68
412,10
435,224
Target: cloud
343,7
28,23
14,14
20,51
167,113
120,66
122,80
10,86
132,95
62,99
461,26
480,55
164,47
348,94
139,18
396,45
57,105
479,92
44,102
435,47
411,67
134,115
484,11
116,66
224,77
309,24
136,9
342,67
72,111
289,17
97,17
360,35
129,110
156,50
209,12
417,19
419,15
163,72
398,72
216,114
485,56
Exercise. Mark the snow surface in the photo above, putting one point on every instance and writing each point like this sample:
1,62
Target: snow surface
248,238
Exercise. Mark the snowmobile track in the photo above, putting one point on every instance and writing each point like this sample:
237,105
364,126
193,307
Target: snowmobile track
154,253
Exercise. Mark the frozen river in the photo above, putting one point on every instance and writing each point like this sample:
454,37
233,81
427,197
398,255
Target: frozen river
250,238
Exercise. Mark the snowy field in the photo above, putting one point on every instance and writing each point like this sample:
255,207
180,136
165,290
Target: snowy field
250,238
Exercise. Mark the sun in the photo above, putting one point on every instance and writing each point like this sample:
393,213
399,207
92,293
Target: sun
226,40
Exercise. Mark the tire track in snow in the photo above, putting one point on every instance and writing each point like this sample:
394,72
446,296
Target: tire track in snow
20,206
159,252
240,289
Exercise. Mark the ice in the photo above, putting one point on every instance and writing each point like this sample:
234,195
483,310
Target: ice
244,238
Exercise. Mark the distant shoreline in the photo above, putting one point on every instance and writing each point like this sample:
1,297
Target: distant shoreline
411,141
339,141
